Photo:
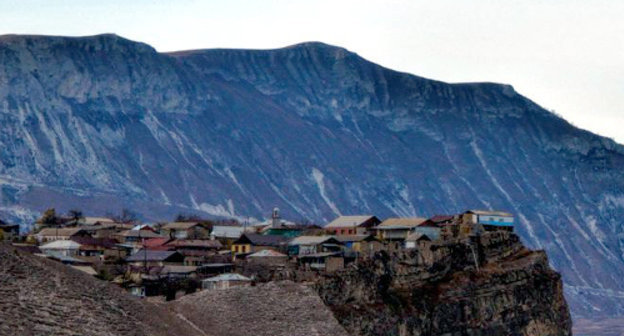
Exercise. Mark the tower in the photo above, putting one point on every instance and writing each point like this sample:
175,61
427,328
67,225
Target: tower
276,218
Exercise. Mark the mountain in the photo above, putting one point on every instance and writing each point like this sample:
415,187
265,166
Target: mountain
103,123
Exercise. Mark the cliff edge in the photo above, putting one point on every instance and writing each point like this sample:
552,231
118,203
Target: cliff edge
438,289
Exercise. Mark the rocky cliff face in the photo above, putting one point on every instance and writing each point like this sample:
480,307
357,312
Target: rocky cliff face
438,290
103,123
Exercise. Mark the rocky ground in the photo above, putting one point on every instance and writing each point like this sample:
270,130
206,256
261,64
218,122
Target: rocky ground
42,297
280,308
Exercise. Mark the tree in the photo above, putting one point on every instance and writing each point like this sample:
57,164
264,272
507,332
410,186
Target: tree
75,215
49,218
126,216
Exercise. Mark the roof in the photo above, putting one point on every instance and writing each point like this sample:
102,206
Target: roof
319,255
266,253
349,221
179,225
178,269
64,259
149,255
139,234
221,231
228,277
415,236
142,226
102,242
490,213
196,243
60,232
354,238
93,220
261,240
60,245
311,240
441,218
401,223
155,242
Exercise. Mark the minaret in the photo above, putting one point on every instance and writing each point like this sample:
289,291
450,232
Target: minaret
276,218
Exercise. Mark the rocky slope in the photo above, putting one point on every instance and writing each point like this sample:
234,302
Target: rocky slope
438,290
42,297
271,309
103,123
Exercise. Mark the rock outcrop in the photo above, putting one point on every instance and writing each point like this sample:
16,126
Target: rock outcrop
438,290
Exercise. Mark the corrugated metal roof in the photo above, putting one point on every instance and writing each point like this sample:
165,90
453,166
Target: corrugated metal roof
179,225
309,240
60,245
397,223
348,221
60,232
197,243
140,234
227,231
266,253
150,255
228,277
262,240
490,213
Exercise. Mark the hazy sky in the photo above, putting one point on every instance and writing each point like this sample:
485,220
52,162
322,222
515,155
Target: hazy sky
566,55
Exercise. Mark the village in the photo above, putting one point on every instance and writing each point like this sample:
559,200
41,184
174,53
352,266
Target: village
171,259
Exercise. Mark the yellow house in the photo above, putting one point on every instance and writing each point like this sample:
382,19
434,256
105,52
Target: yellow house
253,242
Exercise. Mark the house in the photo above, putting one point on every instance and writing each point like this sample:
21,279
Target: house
225,281
101,230
185,230
9,232
253,242
195,252
268,258
325,261
179,272
147,258
414,239
361,244
159,243
94,247
227,234
351,225
215,268
304,245
67,248
135,236
489,220
286,231
52,234
397,229
432,227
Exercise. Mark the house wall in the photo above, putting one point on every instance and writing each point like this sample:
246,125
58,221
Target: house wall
432,232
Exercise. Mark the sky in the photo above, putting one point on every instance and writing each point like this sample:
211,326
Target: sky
566,55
